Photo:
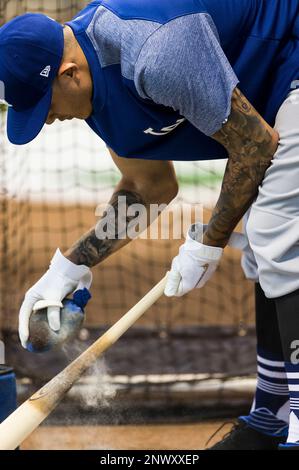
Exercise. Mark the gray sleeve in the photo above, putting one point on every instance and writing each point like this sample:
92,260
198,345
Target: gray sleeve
183,66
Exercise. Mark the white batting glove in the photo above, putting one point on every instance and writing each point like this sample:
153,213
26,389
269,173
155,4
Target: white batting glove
192,268
62,278
196,263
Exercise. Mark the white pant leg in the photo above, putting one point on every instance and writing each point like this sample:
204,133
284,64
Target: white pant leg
273,224
248,261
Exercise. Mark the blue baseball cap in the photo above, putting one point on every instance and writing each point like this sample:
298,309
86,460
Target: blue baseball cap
31,51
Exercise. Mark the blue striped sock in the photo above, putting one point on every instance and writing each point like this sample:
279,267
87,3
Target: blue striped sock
270,410
293,381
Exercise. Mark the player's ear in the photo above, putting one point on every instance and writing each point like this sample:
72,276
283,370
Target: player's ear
68,69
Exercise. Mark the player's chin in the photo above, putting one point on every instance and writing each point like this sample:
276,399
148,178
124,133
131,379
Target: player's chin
81,117
86,115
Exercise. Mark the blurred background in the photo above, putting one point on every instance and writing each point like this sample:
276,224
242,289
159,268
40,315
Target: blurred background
187,360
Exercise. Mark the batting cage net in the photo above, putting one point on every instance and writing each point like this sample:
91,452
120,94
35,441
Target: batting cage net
200,345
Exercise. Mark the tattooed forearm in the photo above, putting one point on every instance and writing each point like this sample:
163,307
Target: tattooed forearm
91,249
251,144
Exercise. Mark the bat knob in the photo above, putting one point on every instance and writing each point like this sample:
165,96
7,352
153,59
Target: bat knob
42,338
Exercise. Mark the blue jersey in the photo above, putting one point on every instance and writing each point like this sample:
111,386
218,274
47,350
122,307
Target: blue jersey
164,71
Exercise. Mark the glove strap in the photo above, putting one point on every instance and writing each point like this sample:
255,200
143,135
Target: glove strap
211,253
237,240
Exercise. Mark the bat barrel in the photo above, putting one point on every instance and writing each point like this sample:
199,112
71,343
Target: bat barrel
19,425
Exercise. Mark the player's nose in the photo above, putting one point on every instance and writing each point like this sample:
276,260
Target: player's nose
51,118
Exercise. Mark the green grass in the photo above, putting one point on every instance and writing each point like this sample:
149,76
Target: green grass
108,178
200,179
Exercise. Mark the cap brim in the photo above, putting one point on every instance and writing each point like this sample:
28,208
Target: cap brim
24,126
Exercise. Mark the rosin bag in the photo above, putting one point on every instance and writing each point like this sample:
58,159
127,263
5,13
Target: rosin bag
43,339
8,392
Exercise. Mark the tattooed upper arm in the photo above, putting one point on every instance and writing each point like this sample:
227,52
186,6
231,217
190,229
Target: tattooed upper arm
251,144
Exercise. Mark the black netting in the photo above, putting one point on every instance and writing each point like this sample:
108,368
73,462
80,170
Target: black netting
49,192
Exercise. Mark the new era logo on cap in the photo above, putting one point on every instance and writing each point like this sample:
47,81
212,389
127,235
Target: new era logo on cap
2,91
46,71
2,94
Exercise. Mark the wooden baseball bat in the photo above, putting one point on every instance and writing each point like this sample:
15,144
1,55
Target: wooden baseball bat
22,422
